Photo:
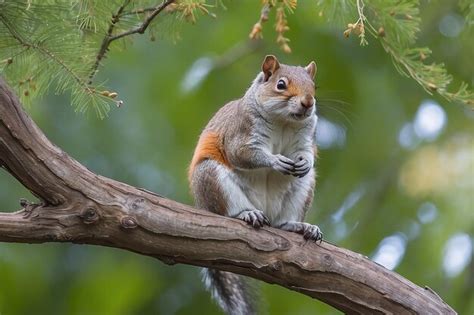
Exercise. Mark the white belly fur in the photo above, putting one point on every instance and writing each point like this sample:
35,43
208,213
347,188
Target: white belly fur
280,197
265,189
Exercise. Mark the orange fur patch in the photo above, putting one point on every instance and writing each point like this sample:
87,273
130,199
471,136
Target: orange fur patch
293,89
209,147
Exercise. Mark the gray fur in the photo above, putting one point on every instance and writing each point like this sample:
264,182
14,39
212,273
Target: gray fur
230,290
267,137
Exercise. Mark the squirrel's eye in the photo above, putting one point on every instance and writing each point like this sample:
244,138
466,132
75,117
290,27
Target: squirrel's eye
281,85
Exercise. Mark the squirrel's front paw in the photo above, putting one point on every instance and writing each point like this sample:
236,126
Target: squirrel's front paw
256,218
283,164
302,167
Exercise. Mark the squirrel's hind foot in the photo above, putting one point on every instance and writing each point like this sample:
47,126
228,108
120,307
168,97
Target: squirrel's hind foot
313,233
309,231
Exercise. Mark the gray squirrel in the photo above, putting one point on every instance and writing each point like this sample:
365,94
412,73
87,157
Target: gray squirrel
254,161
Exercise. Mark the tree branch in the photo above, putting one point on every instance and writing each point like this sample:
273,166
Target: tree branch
79,206
109,38
141,29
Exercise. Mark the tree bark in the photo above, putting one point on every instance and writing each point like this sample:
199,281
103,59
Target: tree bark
78,206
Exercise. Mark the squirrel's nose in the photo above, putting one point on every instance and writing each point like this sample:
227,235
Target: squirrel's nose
307,101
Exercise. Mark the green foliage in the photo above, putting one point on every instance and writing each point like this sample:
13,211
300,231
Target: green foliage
61,44
396,24
37,55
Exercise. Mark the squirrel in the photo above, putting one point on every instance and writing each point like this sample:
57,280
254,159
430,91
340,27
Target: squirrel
254,161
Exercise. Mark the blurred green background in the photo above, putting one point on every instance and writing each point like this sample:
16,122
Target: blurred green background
395,169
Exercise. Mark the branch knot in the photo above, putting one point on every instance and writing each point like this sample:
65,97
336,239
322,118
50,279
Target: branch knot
128,222
89,216
28,207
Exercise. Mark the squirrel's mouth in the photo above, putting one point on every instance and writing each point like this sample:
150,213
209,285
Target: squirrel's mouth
299,116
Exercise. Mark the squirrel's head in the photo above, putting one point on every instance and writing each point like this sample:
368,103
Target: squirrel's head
286,92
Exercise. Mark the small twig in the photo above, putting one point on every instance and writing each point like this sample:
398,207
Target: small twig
256,32
360,11
142,28
360,22
358,27
108,39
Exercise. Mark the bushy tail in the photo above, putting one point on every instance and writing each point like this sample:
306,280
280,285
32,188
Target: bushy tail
233,294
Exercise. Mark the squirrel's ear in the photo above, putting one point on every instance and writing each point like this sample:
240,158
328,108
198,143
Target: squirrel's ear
311,69
269,66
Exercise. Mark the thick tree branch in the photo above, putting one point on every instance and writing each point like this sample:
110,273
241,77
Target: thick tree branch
79,206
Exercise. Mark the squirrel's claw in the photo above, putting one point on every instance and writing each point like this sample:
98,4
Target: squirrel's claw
302,167
256,218
312,232
283,164
301,172
309,231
